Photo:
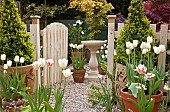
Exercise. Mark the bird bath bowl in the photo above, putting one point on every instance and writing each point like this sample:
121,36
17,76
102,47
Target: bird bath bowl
93,46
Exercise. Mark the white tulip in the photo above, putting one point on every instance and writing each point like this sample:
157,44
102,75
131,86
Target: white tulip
82,33
74,24
97,51
63,63
149,39
105,51
131,46
78,47
79,22
162,48
143,45
114,52
106,56
166,87
104,45
9,63
156,50
101,47
128,45
5,66
71,45
135,43
41,62
67,72
82,45
128,51
22,60
148,46
144,51
103,56
3,57
16,59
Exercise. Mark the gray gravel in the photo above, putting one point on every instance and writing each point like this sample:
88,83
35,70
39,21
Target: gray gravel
75,96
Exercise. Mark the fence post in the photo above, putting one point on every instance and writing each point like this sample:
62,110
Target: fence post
110,62
35,38
163,41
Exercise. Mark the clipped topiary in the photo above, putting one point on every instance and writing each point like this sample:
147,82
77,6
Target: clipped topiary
137,27
14,40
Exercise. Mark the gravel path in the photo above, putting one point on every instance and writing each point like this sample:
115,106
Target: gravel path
75,97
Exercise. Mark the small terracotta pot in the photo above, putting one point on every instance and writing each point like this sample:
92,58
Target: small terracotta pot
129,105
78,75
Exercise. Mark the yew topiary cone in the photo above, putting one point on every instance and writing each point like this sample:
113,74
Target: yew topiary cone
14,40
137,27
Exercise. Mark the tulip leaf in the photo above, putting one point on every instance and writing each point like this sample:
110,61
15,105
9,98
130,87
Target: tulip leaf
133,89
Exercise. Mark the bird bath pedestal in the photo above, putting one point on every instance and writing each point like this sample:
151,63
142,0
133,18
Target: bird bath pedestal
93,46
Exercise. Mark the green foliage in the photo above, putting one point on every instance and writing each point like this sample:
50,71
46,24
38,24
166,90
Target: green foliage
41,94
13,37
143,104
137,27
76,33
78,62
95,13
102,95
44,10
12,85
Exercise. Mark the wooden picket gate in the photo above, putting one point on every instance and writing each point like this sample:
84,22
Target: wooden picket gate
55,46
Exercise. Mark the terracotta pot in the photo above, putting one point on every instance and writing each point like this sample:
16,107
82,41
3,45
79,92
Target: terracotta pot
129,105
101,72
82,54
28,71
78,75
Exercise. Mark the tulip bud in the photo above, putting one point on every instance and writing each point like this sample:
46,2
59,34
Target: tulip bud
105,51
16,59
156,50
144,51
128,51
149,39
128,45
148,45
63,63
22,60
135,43
143,45
50,62
71,45
41,62
9,63
162,48
3,57
5,66
67,72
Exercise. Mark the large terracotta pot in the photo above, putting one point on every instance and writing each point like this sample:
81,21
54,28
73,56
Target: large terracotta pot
78,75
28,71
129,105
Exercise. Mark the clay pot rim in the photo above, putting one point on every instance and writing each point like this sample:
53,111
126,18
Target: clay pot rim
124,91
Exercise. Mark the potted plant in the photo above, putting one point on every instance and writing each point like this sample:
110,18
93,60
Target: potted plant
95,14
76,35
12,86
14,40
78,62
142,92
